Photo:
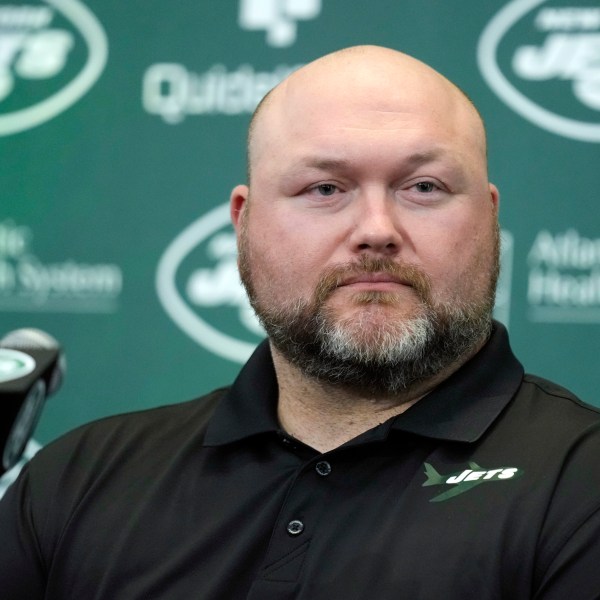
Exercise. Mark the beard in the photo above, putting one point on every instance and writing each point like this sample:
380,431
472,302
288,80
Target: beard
370,352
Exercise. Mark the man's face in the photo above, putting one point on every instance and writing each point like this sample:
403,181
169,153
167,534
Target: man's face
370,226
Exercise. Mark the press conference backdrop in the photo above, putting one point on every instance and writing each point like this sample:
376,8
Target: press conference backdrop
122,130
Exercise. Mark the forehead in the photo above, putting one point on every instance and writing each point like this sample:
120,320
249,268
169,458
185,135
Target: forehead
366,104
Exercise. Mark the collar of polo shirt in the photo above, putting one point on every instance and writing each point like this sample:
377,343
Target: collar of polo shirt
460,409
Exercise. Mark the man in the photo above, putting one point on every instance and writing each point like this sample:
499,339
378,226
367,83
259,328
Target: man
384,442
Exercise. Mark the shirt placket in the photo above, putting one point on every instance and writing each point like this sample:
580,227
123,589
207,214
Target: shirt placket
295,527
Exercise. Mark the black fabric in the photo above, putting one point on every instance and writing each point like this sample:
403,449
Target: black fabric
487,488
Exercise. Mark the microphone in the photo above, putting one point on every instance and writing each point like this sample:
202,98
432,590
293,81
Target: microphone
32,367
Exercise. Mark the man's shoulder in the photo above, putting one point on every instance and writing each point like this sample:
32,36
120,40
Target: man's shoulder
165,427
557,399
551,417
190,414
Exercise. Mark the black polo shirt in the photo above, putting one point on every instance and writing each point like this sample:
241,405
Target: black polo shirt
487,488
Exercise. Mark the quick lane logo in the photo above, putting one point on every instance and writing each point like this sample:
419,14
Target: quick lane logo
51,53
277,17
542,58
173,92
466,479
198,285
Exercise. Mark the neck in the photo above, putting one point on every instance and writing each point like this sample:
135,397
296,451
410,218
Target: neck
325,416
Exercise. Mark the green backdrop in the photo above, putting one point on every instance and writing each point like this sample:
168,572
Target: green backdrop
122,130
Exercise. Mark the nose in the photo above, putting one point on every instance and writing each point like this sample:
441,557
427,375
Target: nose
376,229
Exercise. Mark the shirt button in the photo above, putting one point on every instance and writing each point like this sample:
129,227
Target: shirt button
295,527
323,468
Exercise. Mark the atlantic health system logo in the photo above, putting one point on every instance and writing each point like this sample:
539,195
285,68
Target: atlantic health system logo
51,53
542,58
564,278
29,283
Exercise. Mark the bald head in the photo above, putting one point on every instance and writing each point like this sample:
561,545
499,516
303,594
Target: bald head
379,78
363,162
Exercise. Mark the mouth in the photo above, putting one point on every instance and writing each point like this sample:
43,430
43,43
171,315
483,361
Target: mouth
374,282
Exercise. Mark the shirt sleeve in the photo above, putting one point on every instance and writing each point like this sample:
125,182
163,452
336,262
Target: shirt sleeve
21,566
575,571
569,543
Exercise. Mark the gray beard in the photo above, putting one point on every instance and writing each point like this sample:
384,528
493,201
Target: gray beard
382,359
396,358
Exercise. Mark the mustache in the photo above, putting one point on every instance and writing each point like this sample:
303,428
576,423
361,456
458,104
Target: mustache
406,273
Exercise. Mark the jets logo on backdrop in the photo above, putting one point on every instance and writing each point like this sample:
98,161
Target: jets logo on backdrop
51,53
542,58
198,285
277,18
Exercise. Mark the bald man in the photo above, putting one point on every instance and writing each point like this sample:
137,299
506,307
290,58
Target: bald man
383,442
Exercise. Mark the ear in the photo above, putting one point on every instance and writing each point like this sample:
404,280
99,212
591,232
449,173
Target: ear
237,204
495,196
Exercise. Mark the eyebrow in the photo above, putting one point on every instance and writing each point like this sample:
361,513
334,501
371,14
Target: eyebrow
420,158
324,164
414,159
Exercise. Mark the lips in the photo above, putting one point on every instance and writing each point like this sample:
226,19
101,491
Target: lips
372,278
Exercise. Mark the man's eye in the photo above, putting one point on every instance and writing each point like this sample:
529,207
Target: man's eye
326,189
426,187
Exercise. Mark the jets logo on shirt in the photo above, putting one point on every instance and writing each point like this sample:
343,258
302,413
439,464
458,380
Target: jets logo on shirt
462,481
